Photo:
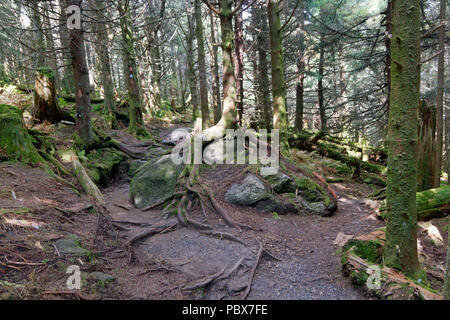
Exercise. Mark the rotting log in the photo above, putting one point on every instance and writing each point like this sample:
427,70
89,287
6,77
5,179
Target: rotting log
433,203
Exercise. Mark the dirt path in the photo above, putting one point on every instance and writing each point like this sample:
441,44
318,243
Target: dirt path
309,268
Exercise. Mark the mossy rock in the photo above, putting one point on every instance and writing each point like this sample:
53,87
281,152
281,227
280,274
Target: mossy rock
309,190
103,164
134,167
155,181
337,167
15,142
281,183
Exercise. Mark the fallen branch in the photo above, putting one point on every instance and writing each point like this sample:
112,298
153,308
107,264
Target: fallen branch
85,181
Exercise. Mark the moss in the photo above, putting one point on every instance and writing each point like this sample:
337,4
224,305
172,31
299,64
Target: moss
15,142
18,211
311,191
369,250
359,277
102,164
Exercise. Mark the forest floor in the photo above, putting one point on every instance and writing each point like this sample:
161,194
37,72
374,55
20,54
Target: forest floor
300,257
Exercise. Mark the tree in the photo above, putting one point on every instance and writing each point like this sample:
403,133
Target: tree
215,70
239,64
278,82
440,98
85,133
201,64
228,120
130,70
105,61
299,91
401,233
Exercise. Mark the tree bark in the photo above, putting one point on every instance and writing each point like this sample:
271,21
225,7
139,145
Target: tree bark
427,146
239,64
201,64
263,70
440,98
278,82
82,86
400,250
323,115
102,45
299,87
192,77
46,107
215,71
130,69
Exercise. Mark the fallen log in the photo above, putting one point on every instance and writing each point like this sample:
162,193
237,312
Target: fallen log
85,181
433,203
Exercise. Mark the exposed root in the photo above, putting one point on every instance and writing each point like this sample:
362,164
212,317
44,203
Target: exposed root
151,231
160,203
253,271
225,235
232,270
203,283
221,210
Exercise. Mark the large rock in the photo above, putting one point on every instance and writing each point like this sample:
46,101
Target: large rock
281,183
176,136
154,182
248,192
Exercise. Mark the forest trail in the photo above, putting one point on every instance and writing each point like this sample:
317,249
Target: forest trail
309,267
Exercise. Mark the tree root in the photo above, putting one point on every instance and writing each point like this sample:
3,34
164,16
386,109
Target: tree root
203,283
253,271
225,235
151,231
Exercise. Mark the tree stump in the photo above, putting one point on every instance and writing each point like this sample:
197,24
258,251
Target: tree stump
15,141
46,107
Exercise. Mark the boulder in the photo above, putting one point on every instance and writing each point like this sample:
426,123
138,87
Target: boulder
134,167
176,136
154,182
281,183
248,192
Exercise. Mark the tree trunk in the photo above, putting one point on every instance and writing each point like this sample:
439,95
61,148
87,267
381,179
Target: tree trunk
401,233
82,87
67,80
239,64
191,68
447,268
229,113
130,70
440,99
426,142
387,42
323,116
201,64
215,71
104,57
263,70
299,86
46,107
278,82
